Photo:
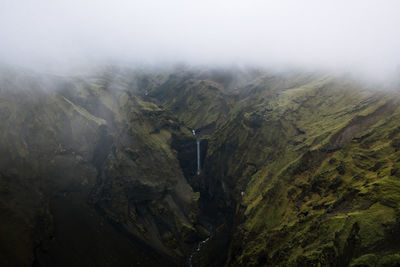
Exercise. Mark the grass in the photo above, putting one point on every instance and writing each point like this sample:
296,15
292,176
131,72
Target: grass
277,196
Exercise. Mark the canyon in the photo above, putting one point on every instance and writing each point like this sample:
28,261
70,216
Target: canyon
101,168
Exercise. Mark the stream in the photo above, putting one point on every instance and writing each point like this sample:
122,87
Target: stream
198,248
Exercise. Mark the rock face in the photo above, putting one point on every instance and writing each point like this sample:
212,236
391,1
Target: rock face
100,169
88,175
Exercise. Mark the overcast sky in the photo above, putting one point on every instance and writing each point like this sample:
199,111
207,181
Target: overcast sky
363,35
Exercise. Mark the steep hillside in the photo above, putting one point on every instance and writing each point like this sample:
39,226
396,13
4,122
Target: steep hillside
319,164
298,169
312,167
305,167
88,175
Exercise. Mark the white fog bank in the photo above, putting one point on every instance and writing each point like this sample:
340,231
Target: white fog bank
361,36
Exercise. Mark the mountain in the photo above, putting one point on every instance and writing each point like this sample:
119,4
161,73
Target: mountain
298,168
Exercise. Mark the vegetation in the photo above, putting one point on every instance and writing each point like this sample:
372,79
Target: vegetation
299,169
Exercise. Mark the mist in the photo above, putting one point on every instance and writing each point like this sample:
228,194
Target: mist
361,37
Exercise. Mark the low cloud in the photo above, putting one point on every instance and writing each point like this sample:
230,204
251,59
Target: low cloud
361,36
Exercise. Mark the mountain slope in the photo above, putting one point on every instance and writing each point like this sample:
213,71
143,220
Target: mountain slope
311,163
298,169
88,166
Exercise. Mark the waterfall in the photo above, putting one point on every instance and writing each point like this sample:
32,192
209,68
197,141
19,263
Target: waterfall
198,155
198,151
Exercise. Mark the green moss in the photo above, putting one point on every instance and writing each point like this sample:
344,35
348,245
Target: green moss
367,260
388,191
372,222
300,192
389,261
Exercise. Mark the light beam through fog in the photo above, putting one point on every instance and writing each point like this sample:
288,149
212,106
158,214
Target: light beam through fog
361,36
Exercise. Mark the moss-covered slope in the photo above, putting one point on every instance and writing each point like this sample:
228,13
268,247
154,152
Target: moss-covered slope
313,168
307,160
299,169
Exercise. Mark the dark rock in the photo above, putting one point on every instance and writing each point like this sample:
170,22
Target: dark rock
336,183
395,172
341,170
377,166
332,160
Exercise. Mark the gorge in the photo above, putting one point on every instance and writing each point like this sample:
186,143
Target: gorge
285,168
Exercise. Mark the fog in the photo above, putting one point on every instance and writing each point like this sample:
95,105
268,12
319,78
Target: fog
361,36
